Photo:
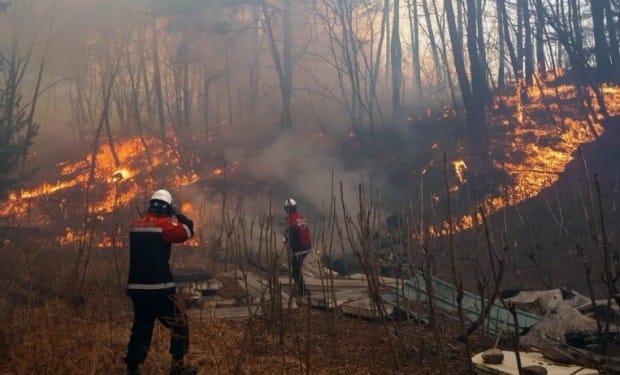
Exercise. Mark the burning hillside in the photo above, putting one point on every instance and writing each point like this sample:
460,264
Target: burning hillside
117,177
531,142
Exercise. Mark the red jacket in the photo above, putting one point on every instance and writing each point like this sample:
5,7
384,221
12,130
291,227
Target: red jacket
150,241
298,233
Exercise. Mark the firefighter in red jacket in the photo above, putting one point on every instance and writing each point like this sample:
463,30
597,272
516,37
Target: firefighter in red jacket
151,286
297,235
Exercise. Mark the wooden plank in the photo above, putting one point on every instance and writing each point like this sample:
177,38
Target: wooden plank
509,365
337,298
256,287
229,312
216,301
341,282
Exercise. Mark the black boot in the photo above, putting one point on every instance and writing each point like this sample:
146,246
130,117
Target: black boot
180,368
133,370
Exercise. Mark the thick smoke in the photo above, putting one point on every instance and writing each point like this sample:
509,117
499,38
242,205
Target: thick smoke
306,168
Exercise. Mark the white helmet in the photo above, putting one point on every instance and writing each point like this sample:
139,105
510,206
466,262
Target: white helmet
290,204
162,195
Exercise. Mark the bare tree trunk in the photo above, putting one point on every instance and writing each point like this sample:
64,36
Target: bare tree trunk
106,90
501,66
577,33
159,99
397,70
457,54
284,66
482,53
514,60
614,47
374,74
519,40
387,44
474,102
207,102
431,38
460,18
601,48
541,66
528,50
287,63
255,65
229,83
477,65
444,57
412,7
135,99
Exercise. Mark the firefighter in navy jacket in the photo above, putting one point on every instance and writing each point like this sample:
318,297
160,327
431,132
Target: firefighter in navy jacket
297,236
151,285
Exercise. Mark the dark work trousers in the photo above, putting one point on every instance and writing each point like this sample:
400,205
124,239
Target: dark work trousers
297,263
146,309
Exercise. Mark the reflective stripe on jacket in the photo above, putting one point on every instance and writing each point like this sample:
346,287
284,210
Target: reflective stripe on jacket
150,241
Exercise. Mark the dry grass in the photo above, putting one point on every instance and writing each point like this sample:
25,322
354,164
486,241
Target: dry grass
44,329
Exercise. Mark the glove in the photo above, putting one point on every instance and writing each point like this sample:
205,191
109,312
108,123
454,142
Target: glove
185,220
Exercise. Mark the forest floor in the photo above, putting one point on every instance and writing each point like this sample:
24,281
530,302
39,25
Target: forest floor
89,336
